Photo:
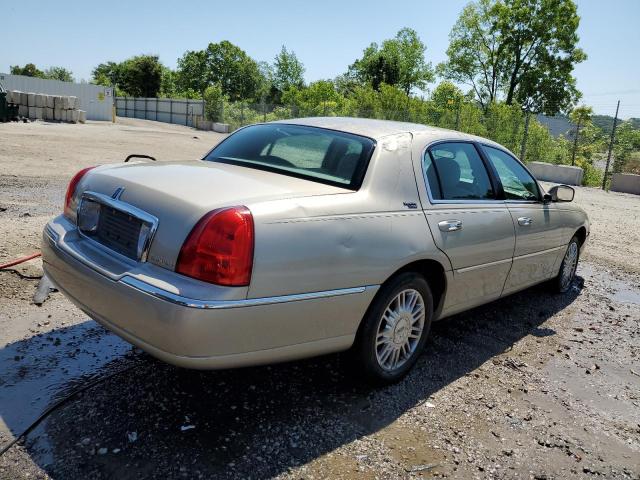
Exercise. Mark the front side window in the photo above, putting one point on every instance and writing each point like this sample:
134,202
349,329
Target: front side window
311,153
517,183
455,171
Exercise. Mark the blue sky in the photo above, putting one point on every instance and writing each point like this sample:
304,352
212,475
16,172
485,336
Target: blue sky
327,36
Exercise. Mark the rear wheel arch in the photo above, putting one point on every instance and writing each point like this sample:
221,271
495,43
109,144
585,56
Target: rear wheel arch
432,271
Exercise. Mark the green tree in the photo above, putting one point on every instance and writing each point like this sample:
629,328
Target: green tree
29,70
141,76
397,62
318,99
192,71
581,117
524,50
214,100
235,71
224,64
626,148
287,70
58,73
107,74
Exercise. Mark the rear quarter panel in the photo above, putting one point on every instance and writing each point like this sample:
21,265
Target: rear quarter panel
339,241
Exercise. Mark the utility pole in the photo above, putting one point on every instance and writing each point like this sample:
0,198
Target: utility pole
525,136
613,138
575,142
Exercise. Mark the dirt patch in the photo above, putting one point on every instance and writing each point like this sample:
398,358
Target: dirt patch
531,386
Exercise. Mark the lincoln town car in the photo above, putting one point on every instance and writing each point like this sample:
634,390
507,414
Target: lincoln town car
298,238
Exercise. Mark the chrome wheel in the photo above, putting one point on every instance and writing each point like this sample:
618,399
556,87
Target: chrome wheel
400,329
569,265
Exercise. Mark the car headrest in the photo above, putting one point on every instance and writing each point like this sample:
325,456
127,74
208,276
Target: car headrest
449,171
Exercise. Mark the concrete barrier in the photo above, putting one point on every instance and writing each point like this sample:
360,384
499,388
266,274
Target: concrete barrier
82,116
221,127
549,172
625,183
14,97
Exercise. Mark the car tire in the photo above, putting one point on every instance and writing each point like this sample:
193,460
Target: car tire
394,329
563,281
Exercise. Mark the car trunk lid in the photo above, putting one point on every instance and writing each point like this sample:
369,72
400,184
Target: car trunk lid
179,194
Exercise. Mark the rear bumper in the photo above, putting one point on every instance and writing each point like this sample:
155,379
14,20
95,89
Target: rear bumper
197,333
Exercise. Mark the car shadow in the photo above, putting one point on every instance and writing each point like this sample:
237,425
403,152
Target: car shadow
156,420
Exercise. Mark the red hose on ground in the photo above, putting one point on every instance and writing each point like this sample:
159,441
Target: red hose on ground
20,260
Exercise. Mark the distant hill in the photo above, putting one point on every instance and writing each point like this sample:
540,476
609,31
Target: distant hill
605,122
557,125
561,125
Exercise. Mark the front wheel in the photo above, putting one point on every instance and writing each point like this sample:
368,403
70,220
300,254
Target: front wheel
567,273
395,329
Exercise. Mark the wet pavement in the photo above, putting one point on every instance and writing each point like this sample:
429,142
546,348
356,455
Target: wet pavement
544,378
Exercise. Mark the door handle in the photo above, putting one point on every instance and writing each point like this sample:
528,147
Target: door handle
525,221
450,225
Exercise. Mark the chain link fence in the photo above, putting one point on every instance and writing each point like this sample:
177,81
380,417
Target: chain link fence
532,137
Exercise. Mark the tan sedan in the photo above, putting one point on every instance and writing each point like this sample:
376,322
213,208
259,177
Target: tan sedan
303,237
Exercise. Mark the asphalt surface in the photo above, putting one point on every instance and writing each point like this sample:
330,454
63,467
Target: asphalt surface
535,385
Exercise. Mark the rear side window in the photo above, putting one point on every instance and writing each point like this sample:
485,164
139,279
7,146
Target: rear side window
312,153
517,183
455,171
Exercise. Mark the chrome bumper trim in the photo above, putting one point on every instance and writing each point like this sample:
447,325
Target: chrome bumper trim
174,298
221,304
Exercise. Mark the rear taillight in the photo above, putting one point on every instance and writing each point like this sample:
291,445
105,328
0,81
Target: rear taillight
219,249
70,199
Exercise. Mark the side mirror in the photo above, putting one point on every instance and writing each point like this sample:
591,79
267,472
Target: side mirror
561,193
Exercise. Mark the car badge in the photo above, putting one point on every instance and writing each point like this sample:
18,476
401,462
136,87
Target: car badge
118,193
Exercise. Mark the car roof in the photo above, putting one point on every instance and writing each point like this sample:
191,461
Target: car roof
372,128
378,129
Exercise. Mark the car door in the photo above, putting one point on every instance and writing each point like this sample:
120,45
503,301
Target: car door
468,223
537,224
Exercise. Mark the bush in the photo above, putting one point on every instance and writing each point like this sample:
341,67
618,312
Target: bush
214,103
592,175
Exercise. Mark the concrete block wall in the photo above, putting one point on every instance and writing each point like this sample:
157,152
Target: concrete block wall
39,106
549,172
625,183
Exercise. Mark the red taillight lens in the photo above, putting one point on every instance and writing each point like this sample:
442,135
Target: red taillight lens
219,249
70,202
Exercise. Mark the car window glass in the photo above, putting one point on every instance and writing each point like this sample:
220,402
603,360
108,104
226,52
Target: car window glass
455,171
312,153
517,183
306,151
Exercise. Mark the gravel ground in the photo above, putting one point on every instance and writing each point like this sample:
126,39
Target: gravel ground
531,386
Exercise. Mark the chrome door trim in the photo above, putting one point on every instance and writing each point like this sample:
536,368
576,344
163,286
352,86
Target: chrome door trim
223,304
484,265
541,252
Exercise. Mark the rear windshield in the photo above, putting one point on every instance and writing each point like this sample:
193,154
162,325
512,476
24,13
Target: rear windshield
312,153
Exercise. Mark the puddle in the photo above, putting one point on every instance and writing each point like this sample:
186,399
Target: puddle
39,370
627,295
621,292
